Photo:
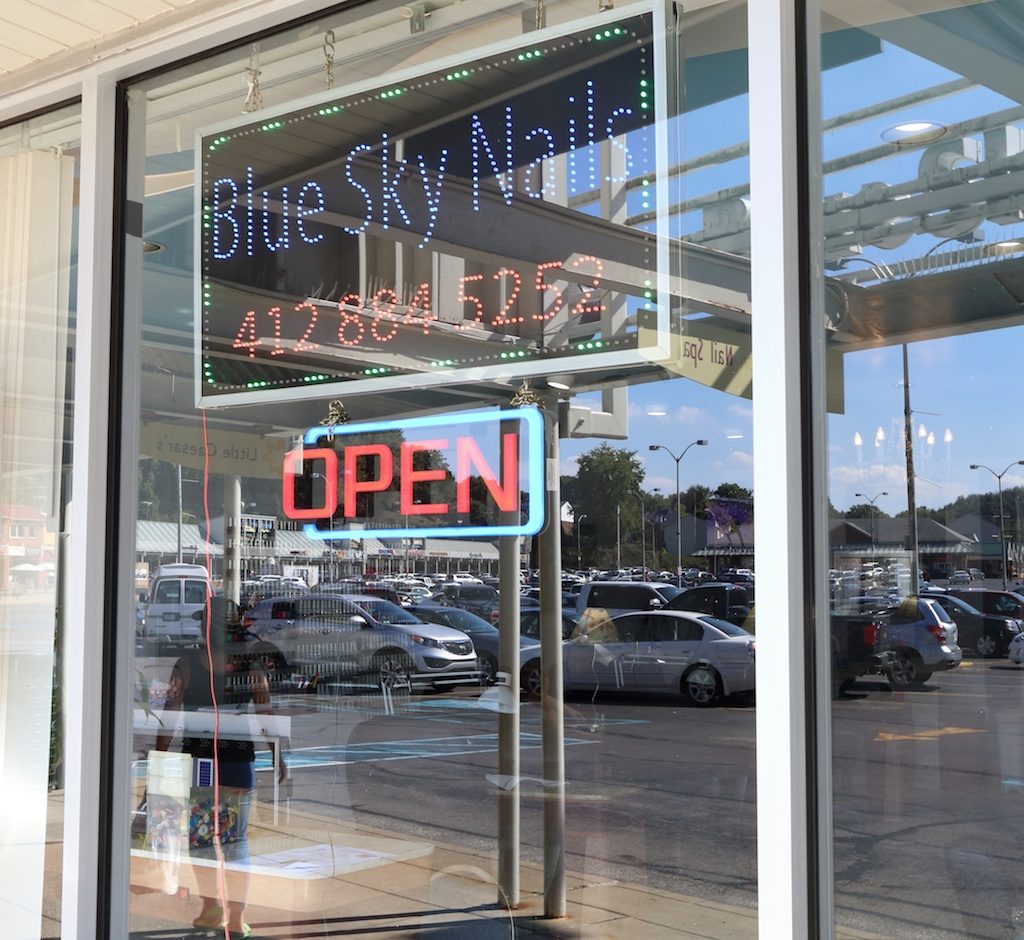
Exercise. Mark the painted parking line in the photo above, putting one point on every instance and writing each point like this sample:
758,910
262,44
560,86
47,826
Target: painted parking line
929,735
379,751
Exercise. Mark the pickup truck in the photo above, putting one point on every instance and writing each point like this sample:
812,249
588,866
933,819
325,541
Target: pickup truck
857,636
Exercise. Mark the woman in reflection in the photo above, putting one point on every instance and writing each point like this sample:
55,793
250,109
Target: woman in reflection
223,673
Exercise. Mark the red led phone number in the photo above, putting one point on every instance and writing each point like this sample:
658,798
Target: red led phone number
386,311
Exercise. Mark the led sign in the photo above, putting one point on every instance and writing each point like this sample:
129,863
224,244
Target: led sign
459,223
459,475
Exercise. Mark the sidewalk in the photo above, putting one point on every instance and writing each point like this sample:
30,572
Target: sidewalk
315,878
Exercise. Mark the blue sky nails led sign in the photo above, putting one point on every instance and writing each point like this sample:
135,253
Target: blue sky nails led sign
464,221
455,475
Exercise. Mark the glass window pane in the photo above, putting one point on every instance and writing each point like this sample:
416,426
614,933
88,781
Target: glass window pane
39,163
922,168
352,296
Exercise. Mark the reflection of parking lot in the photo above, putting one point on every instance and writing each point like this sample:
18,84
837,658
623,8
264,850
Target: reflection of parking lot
949,756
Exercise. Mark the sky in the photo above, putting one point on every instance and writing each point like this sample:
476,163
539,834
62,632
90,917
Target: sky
961,387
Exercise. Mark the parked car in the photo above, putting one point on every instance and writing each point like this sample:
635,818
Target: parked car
484,636
976,574
960,576
176,593
620,597
923,639
1004,603
698,656
529,622
476,597
331,637
986,634
724,600
1016,651
858,638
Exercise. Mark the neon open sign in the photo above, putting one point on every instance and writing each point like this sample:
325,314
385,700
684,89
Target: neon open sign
462,222
478,473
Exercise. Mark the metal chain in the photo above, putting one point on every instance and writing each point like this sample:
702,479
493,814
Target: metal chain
253,97
336,414
539,17
524,397
329,58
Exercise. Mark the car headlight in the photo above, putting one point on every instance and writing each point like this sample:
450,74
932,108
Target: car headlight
1013,626
427,641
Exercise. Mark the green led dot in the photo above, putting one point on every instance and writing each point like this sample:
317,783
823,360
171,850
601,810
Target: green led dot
643,82
599,36
644,105
643,94
607,33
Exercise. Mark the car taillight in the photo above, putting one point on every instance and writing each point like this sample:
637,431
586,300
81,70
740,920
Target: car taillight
938,631
247,622
870,634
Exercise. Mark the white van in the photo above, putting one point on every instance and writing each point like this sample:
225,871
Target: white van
176,593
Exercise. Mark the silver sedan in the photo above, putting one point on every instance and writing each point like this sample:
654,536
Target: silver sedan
697,655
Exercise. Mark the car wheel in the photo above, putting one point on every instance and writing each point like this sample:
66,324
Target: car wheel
701,685
488,669
907,670
987,646
393,669
530,680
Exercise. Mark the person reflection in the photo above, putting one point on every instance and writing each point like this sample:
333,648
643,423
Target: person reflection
224,672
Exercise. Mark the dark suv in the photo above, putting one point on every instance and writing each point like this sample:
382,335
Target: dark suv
477,598
987,634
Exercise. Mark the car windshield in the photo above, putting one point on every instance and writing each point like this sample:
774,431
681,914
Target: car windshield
386,612
729,629
467,622
668,591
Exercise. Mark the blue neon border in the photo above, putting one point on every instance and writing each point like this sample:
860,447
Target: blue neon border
535,475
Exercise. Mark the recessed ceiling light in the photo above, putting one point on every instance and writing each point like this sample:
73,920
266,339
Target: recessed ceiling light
657,412
1008,247
914,132
150,247
734,437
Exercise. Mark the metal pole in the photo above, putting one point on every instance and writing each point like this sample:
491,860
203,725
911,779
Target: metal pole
552,717
1002,535
233,538
508,719
679,528
643,538
908,420
618,538
179,514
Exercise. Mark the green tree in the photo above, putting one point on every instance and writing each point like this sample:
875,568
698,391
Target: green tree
733,491
609,479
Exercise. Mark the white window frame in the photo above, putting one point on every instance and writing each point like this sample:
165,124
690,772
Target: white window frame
780,439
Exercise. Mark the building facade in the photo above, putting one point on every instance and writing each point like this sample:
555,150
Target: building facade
476,288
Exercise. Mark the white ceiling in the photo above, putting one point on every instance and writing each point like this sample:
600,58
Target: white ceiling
32,31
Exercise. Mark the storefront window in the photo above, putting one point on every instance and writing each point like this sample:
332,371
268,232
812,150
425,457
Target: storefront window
922,152
39,162
437,314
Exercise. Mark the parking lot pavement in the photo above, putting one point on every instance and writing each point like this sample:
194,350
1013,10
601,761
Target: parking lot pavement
393,888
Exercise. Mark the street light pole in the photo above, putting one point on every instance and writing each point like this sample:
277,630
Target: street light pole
578,523
679,515
874,512
999,484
